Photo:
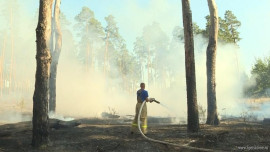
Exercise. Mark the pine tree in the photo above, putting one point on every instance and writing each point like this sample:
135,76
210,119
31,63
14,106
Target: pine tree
43,59
233,24
193,118
55,52
112,44
212,116
90,32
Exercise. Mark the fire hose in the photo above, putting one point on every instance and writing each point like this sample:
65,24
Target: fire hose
164,142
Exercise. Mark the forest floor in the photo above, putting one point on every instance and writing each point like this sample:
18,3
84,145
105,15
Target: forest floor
111,135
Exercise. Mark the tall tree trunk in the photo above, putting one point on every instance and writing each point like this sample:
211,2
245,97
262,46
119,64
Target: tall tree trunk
212,117
87,57
12,53
51,51
121,72
43,60
2,62
148,66
142,72
193,120
1,76
55,56
106,60
93,65
87,52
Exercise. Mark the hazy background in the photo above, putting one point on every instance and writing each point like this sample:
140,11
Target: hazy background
83,93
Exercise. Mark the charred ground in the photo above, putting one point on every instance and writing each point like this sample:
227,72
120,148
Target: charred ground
110,135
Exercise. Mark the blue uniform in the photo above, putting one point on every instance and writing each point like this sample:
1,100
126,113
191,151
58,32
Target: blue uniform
142,95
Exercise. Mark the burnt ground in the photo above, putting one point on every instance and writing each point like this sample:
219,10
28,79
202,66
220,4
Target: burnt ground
92,135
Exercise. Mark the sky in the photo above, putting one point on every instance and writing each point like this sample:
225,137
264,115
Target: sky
133,15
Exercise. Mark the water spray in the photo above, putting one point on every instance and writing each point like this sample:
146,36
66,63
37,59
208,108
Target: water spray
163,142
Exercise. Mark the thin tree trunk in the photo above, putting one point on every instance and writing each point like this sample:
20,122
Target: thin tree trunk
12,52
2,62
11,69
121,71
43,60
55,56
1,76
142,73
106,55
87,57
212,117
148,66
92,57
193,120
87,52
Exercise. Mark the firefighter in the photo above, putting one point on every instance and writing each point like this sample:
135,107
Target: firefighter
142,96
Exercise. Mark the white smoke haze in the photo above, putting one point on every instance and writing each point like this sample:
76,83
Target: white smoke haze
86,94
137,16
229,85
17,33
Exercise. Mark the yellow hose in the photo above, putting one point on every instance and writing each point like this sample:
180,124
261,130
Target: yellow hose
163,142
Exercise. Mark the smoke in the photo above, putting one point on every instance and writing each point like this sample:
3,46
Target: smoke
82,93
228,79
138,15
17,49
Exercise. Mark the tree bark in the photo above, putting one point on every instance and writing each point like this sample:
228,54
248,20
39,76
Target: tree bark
55,56
193,120
43,60
212,117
